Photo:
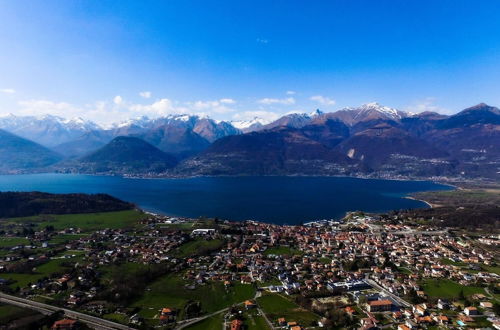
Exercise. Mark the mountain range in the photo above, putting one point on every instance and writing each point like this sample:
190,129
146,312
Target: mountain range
370,140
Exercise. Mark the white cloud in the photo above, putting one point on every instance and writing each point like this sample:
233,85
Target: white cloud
160,107
41,107
326,101
119,109
145,94
427,104
217,106
262,41
118,100
269,101
268,116
227,101
8,90
290,92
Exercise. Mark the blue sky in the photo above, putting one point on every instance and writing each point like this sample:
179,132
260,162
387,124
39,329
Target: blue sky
238,59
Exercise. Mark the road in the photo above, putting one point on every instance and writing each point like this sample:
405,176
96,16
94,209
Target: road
186,323
92,321
393,296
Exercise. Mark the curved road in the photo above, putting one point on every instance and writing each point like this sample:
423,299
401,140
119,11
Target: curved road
92,321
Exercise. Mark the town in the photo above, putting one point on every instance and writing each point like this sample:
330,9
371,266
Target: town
144,270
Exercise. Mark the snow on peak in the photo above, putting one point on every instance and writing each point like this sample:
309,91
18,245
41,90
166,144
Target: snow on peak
316,112
138,121
387,111
243,124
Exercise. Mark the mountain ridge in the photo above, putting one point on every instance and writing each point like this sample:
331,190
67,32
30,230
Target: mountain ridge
368,140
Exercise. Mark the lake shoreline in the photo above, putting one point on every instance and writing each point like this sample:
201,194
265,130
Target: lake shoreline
272,199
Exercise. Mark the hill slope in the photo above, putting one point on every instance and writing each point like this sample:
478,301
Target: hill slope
19,154
23,204
376,140
127,155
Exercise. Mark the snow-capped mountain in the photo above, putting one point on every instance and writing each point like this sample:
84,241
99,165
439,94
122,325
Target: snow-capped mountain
47,130
250,125
204,126
295,120
390,113
365,113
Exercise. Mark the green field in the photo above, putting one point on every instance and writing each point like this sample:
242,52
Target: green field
8,242
197,247
210,323
45,270
283,251
85,221
120,318
276,306
65,238
444,288
169,291
254,321
9,313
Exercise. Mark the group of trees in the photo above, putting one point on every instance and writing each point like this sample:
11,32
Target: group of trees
23,204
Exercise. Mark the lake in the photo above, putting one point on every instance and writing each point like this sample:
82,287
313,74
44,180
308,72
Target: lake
282,200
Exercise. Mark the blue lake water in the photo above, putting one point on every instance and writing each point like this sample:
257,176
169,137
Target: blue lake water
281,200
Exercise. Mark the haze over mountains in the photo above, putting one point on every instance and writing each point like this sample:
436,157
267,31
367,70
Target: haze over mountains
371,140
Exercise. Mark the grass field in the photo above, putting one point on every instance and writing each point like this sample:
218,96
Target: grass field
85,221
9,313
45,270
211,323
120,318
448,289
254,321
276,306
197,247
169,291
283,251
8,242
65,238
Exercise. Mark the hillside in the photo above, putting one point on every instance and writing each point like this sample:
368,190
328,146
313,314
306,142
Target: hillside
370,140
18,154
126,155
277,151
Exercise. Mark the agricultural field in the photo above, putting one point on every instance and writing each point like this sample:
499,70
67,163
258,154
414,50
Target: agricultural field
87,222
253,321
9,313
444,288
9,242
211,323
55,265
197,247
276,306
171,291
